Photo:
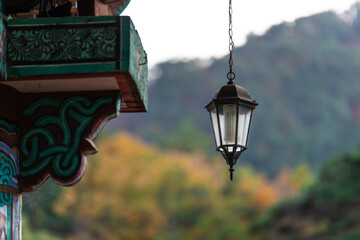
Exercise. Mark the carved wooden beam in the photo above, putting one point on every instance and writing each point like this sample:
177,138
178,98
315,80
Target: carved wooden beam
56,132
71,74
78,54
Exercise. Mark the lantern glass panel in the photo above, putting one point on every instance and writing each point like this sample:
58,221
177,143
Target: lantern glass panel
243,125
227,117
215,125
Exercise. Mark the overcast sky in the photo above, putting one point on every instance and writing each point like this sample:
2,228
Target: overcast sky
186,29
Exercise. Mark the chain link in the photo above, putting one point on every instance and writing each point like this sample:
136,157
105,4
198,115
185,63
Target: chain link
231,74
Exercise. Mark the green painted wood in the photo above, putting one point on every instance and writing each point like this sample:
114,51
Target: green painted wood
134,58
68,68
57,132
3,71
77,45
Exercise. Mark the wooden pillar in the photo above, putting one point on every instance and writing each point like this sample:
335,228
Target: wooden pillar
10,194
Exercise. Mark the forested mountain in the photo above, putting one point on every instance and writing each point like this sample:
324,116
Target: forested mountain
305,76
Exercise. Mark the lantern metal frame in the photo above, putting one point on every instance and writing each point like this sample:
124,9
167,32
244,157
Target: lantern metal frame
235,95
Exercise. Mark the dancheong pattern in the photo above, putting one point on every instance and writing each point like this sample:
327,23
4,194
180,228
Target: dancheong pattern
2,46
66,44
7,173
61,158
8,159
10,194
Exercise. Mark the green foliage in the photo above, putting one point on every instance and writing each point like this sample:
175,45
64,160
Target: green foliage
328,209
186,137
339,180
36,234
39,213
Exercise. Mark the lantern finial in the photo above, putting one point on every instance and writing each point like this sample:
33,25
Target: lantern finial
231,170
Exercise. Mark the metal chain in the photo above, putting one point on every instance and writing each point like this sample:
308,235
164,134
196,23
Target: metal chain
231,74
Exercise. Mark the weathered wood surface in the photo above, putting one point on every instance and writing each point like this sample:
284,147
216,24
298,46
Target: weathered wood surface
94,48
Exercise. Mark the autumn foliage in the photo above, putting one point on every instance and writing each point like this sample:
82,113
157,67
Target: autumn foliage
132,190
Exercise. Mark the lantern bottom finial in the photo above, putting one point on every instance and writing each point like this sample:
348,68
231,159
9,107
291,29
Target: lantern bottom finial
231,170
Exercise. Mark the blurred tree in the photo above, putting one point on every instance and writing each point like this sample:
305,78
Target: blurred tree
31,234
186,137
328,209
132,190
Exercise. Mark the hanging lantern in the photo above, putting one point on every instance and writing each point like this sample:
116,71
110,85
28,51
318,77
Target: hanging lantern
231,113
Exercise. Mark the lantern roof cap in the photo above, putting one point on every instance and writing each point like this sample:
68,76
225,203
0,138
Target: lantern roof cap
232,93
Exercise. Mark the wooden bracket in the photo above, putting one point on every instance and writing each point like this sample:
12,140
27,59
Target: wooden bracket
56,133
